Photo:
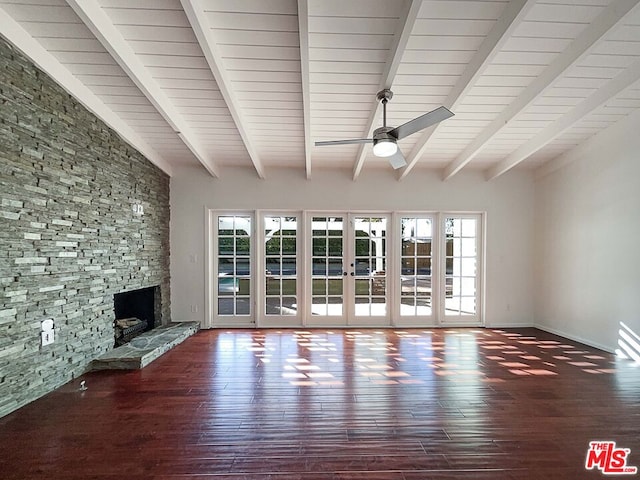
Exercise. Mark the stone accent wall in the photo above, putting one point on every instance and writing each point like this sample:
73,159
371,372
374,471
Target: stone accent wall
69,238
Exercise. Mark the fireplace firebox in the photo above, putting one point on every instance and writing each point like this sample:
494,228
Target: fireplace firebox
136,312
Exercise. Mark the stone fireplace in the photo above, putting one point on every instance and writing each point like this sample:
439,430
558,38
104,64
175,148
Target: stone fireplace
136,312
68,187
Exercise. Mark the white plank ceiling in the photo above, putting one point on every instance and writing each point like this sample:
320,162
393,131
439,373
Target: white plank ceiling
254,83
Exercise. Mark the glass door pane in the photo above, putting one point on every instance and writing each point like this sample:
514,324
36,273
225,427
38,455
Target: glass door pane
327,250
370,266
280,263
233,258
461,268
416,261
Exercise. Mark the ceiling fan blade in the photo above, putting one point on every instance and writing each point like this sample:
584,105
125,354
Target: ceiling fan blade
344,142
397,160
421,122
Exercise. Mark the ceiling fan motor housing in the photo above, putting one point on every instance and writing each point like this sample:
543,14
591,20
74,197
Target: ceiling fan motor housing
383,134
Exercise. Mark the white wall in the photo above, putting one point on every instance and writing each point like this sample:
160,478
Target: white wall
508,202
587,256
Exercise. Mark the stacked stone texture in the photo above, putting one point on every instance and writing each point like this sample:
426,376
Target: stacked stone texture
69,239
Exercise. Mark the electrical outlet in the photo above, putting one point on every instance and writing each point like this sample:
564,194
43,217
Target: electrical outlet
47,334
47,338
194,308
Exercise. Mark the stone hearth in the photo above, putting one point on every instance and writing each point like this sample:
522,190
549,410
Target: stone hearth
145,348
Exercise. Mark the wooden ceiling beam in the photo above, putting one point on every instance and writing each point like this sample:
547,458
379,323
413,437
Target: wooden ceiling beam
582,46
303,31
94,17
203,32
405,26
512,16
552,131
23,41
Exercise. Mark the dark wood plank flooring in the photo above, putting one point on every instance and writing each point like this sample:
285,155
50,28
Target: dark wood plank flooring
341,404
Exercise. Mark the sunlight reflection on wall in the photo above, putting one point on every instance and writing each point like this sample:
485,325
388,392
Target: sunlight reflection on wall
629,343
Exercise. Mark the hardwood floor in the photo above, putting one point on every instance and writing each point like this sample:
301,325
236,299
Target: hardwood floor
319,405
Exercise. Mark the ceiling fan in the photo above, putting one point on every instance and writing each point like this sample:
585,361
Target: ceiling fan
385,138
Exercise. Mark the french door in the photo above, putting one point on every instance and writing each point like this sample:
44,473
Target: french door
343,269
232,268
280,287
347,269
461,241
439,275
417,273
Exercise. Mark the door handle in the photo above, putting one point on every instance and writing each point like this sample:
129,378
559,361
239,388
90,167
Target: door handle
345,273
352,274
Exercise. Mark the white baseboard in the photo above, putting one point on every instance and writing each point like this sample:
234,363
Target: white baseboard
544,328
510,325
575,338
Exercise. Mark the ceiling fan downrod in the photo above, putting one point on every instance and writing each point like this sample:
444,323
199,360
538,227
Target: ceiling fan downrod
384,96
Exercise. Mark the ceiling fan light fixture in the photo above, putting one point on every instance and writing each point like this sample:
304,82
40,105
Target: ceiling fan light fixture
384,147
